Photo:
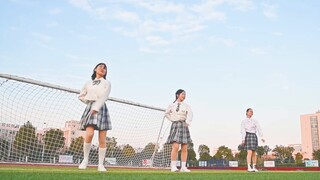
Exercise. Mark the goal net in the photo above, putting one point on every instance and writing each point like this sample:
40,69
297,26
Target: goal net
39,123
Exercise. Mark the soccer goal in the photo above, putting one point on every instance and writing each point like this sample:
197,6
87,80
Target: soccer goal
39,123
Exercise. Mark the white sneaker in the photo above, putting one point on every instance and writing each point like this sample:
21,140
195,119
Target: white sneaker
83,165
250,170
255,170
174,169
101,168
184,170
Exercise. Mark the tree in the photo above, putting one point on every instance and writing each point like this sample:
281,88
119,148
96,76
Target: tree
25,139
224,153
76,147
4,146
148,150
299,158
283,153
191,153
203,149
241,156
111,144
260,151
205,157
316,154
53,141
128,151
267,149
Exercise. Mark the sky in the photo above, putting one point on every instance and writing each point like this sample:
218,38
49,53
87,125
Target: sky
227,55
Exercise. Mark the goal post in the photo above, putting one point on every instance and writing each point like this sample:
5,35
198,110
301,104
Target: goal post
39,123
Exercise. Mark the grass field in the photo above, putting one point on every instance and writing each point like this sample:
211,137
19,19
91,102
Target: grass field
39,172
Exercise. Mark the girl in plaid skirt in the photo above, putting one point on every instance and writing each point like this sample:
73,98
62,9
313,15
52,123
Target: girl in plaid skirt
181,116
249,128
96,115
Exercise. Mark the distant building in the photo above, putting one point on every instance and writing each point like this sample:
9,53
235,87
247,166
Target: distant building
310,134
8,131
72,131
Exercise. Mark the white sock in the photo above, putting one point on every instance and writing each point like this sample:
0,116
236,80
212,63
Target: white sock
86,151
253,166
102,154
249,167
174,164
183,165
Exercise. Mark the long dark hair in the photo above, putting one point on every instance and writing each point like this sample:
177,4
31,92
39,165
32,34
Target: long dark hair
93,76
178,93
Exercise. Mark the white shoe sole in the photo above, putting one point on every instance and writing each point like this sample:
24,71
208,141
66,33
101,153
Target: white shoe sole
185,170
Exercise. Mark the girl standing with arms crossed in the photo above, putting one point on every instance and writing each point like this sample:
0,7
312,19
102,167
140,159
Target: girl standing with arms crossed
249,128
181,116
96,115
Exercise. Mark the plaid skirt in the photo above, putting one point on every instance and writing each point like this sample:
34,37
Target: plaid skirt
179,133
100,120
251,141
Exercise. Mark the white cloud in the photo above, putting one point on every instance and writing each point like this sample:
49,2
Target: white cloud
101,12
127,16
125,32
43,40
161,22
156,40
13,28
278,81
242,5
82,4
270,11
277,33
55,11
207,10
161,6
258,51
227,42
42,37
52,24
237,28
86,37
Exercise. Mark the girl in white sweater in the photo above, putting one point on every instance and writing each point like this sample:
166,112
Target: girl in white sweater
96,115
181,116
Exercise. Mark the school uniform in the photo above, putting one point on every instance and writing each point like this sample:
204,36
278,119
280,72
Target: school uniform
94,94
180,114
249,128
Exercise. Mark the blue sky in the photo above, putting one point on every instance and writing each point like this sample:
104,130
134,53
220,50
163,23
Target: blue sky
227,54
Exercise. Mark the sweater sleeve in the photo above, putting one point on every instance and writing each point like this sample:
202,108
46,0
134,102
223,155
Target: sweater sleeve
189,115
259,129
243,130
103,97
83,93
168,112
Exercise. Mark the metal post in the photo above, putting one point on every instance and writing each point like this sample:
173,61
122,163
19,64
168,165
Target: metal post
44,143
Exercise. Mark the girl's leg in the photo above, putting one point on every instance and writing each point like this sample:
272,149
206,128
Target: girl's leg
102,150
174,153
86,147
254,160
249,156
184,154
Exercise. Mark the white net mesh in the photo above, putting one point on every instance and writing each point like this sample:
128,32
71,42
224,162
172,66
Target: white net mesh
39,123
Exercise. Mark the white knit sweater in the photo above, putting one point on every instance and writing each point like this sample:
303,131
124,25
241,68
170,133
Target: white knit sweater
96,91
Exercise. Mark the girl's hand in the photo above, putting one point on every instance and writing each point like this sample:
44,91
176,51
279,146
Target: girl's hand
93,112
